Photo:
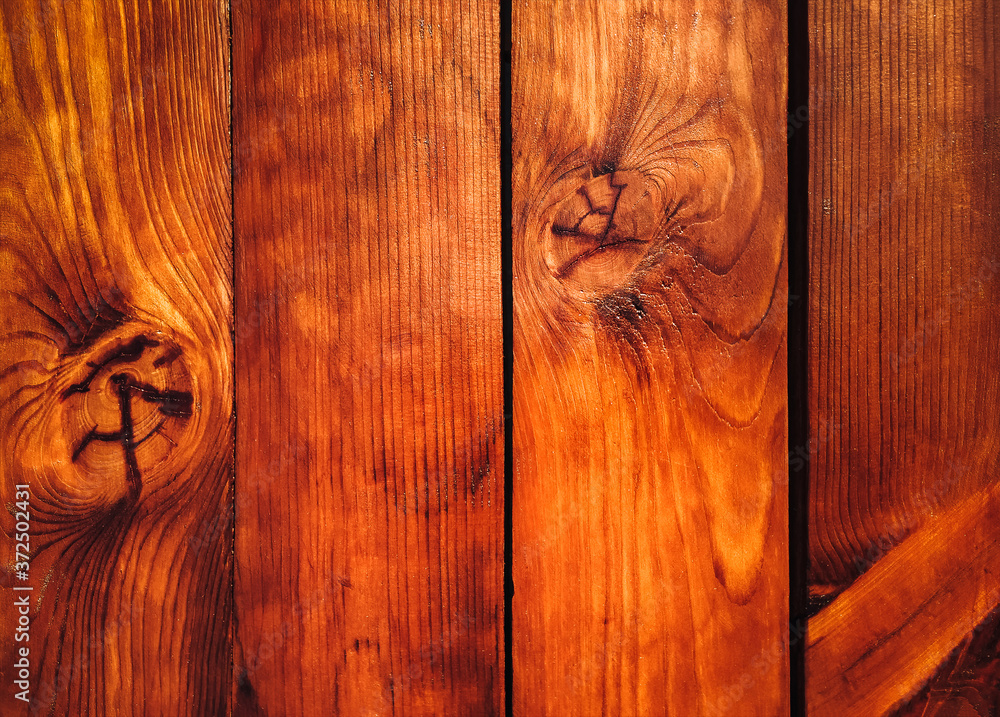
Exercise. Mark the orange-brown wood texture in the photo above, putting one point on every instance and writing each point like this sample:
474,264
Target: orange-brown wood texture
650,554
904,338
969,679
116,384
369,502
882,638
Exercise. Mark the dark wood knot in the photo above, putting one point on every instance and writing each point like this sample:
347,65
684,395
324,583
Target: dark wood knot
128,407
601,232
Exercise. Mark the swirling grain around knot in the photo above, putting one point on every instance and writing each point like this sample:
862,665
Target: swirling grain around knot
115,351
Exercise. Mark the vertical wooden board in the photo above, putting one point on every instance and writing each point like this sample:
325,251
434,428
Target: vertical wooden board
115,357
904,266
369,538
904,335
650,460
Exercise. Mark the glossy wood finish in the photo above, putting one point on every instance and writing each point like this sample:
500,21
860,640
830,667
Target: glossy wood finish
116,386
904,267
969,680
649,524
650,559
369,533
904,338
886,635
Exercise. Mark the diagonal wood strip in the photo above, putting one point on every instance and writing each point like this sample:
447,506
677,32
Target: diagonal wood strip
885,636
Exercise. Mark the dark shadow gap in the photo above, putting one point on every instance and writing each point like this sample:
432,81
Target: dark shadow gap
798,336
507,291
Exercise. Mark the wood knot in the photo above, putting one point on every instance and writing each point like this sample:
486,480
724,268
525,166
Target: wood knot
124,408
601,232
614,228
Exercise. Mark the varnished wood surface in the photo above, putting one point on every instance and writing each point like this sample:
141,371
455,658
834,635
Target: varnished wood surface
649,297
904,339
115,354
968,683
885,636
650,561
369,509
904,270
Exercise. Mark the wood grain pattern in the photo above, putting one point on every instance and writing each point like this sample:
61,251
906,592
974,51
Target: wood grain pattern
904,271
650,460
886,635
904,335
369,535
115,354
968,684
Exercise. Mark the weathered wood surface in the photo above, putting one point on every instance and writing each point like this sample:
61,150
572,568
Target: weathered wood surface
650,559
115,354
369,533
904,329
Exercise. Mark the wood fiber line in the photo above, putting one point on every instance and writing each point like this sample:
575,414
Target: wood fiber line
968,680
369,535
650,555
116,387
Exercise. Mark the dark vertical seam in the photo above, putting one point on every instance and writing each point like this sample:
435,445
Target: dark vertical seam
798,359
507,307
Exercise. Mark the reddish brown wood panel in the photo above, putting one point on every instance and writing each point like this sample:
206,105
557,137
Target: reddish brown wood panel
885,635
969,682
904,338
369,534
650,459
904,267
116,385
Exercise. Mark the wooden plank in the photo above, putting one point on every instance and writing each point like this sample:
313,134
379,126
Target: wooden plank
904,326
369,540
886,635
116,385
968,682
904,334
650,460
